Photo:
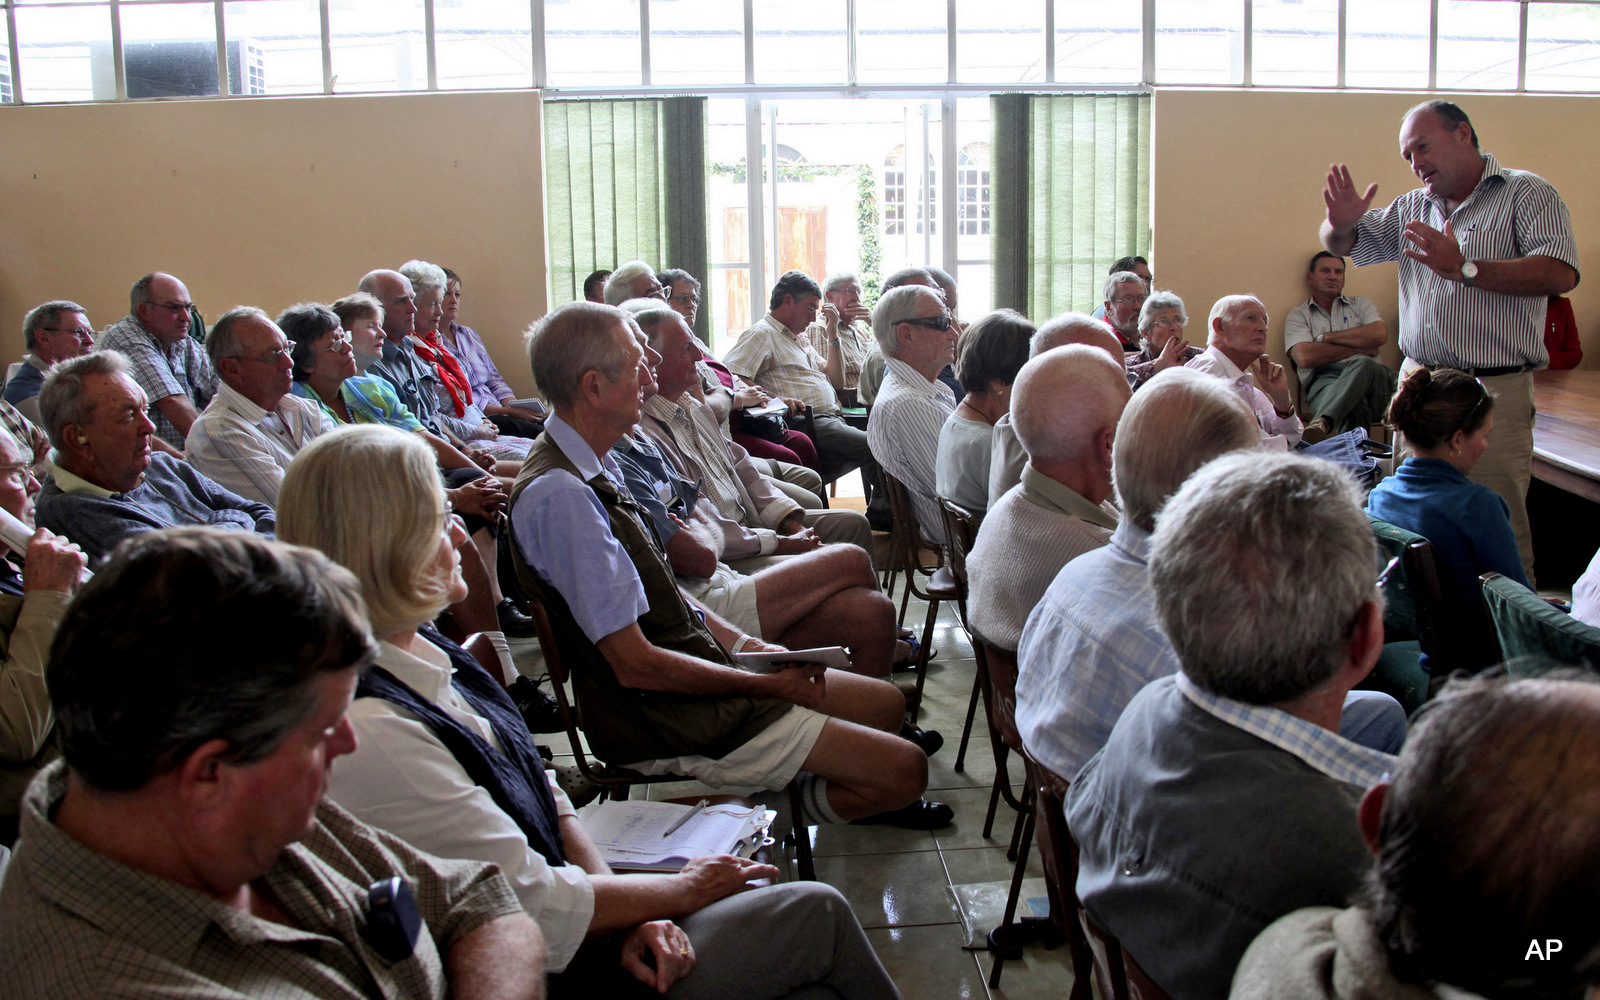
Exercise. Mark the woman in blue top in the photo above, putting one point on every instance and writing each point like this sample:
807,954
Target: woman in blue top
1446,416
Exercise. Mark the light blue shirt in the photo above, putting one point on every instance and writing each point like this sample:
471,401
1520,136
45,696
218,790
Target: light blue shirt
1090,644
564,534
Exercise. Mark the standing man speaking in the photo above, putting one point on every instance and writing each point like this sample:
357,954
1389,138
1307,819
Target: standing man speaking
1481,249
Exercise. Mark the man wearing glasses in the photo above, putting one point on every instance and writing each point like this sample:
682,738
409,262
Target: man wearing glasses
917,338
168,364
252,430
634,280
1125,295
52,332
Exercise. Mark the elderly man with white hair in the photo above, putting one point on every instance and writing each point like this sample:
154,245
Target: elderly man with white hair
1225,796
253,428
842,333
1125,295
634,280
1065,405
1237,351
1006,457
917,338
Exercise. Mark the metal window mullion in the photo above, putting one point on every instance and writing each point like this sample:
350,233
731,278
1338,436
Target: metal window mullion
119,72
428,45
536,39
1148,37
753,226
16,54
750,42
947,184
1344,33
1433,45
772,167
1049,41
644,42
222,53
327,47
1248,52
950,41
1522,46
850,40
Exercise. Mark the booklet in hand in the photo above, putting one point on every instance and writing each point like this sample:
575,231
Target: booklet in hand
628,833
766,663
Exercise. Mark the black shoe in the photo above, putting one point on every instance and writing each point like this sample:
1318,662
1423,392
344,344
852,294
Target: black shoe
538,707
879,519
919,815
512,620
929,740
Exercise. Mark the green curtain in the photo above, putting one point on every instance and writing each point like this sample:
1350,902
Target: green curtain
1071,190
624,180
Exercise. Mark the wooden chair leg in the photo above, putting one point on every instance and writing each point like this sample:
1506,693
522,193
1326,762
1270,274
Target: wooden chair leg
1012,899
972,711
922,654
1002,783
802,835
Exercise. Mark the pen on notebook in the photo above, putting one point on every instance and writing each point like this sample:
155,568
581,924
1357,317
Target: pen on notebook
686,817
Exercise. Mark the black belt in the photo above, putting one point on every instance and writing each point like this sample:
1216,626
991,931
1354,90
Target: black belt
1486,372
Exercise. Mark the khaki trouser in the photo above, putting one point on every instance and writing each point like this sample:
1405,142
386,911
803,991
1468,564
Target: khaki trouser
1507,464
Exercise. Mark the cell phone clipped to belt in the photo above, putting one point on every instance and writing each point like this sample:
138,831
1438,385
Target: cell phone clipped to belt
393,921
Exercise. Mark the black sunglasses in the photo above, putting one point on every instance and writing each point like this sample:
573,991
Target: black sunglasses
940,323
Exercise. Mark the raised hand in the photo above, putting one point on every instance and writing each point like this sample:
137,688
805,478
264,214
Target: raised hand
1440,252
1274,381
1345,205
1171,354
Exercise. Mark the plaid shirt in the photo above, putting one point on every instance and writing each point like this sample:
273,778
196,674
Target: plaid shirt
180,370
855,343
74,923
1327,752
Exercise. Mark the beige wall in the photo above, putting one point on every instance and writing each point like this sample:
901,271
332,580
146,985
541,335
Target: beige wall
270,202
1238,179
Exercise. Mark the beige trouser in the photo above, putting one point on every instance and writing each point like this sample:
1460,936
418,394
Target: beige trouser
1507,464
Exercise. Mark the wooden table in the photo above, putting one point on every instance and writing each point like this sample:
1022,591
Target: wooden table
1566,434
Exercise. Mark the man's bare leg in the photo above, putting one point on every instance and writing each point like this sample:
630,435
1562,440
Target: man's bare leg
867,771
828,597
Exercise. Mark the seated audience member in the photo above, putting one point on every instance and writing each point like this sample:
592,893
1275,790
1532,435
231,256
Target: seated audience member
768,521
169,365
654,679
634,280
459,412
1586,594
1065,406
1006,455
917,338
1094,639
52,332
1237,350
1485,867
105,482
988,356
32,600
872,368
772,355
1161,343
253,428
1333,339
1561,334
843,331
1446,417
183,847
682,292
489,390
1225,797
444,760
1126,293
594,286
1138,265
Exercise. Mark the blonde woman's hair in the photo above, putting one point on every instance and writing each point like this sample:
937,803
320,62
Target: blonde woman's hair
370,499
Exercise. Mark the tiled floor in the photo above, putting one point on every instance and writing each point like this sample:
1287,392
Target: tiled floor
901,882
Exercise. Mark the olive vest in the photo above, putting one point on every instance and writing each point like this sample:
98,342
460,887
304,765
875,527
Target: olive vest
629,725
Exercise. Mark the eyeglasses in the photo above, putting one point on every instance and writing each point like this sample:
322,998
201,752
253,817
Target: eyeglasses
1129,298
76,332
340,341
1167,321
1483,401
273,357
173,307
940,323
17,473
687,300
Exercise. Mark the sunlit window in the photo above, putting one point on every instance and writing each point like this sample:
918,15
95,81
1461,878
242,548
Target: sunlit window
972,190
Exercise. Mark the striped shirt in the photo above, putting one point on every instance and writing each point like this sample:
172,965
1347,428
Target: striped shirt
903,433
161,371
246,449
771,356
1511,214
1325,751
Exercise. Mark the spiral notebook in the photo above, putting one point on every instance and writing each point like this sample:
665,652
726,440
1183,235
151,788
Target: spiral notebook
628,834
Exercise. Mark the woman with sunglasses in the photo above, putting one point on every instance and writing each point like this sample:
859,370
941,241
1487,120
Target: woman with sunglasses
1446,416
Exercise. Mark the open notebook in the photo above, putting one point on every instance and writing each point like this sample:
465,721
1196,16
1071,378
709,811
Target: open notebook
628,834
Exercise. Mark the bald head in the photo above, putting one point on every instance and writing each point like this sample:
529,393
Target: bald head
394,292
1178,422
1076,328
1065,405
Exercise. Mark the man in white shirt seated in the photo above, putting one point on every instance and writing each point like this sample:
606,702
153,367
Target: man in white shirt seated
1237,350
918,338
246,437
1065,404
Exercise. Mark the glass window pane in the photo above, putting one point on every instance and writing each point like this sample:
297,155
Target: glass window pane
274,47
1563,46
377,45
999,41
1478,44
170,49
974,201
1296,43
697,41
7,91
1199,41
65,53
726,297
483,43
1099,41
592,43
810,49
1386,43
901,41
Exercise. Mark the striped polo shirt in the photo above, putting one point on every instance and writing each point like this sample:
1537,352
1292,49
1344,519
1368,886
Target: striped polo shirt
1511,213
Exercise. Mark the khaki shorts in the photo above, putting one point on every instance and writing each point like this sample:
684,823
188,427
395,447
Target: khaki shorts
730,595
771,759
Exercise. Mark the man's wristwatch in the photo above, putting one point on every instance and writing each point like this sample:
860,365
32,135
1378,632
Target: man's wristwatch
1469,273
